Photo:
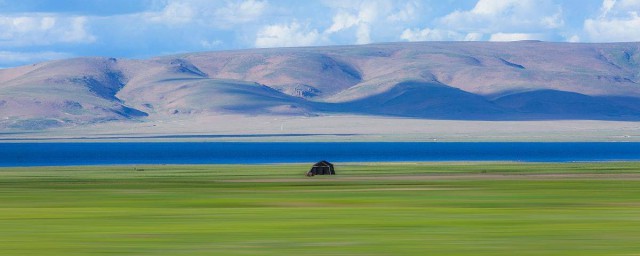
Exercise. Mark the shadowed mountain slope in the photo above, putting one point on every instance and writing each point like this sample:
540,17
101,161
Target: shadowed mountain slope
425,100
76,91
548,104
525,80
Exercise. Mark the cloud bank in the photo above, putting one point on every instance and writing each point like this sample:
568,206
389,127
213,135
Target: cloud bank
148,28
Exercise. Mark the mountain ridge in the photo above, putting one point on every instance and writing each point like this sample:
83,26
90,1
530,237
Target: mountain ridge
526,80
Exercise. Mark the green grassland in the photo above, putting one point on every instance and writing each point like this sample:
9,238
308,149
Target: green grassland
367,209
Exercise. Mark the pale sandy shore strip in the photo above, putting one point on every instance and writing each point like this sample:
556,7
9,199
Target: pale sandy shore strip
336,128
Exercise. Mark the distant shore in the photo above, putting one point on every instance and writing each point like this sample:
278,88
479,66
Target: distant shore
336,128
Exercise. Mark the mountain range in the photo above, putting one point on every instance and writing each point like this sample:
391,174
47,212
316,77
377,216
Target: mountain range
525,80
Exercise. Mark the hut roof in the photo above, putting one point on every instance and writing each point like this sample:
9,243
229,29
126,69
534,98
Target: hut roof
322,168
323,163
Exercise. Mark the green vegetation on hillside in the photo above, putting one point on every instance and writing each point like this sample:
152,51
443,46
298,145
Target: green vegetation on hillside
367,209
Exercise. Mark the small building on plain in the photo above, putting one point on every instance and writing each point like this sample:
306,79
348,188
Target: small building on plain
321,168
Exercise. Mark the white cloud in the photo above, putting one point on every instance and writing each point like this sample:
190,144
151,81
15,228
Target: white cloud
366,21
369,12
607,5
207,13
76,31
618,29
407,13
492,7
473,36
47,23
618,22
611,8
629,4
554,21
240,12
362,15
43,29
212,44
574,39
505,37
363,35
286,35
427,34
342,20
500,20
511,16
173,13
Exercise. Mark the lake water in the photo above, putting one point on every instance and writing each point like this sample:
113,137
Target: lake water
42,154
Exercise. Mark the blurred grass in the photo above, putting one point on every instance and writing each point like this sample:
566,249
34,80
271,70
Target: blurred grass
367,209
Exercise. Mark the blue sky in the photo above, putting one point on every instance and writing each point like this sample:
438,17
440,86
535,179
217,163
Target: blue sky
38,30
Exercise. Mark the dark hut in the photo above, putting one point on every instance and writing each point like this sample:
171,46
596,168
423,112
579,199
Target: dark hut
321,168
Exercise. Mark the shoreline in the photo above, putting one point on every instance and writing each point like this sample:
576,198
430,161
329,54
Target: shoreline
336,128
307,164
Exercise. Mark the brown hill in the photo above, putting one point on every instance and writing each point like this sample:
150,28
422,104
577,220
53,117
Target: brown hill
436,80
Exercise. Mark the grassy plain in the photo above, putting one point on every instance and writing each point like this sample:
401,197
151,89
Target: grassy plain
367,209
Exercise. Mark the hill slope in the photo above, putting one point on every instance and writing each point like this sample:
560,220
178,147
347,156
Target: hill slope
437,80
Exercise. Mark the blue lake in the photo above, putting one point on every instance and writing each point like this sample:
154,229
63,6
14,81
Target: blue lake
42,154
